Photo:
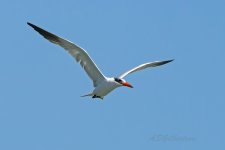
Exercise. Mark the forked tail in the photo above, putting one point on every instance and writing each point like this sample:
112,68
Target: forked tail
93,96
90,94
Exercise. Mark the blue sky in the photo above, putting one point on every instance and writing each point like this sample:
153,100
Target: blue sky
176,106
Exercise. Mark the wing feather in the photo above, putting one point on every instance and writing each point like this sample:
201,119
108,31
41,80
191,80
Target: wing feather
143,66
80,55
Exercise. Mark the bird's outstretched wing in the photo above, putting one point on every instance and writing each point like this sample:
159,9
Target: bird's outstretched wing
143,66
77,52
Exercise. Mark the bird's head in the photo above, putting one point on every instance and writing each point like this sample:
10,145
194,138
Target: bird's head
122,82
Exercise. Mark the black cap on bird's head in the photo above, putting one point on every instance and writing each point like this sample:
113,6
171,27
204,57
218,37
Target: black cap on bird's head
123,82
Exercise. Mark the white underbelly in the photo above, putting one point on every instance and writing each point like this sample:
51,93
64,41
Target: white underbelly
104,88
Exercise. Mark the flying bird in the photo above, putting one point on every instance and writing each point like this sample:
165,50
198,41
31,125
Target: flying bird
102,85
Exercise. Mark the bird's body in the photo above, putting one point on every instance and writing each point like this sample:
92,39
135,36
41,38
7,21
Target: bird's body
103,85
103,88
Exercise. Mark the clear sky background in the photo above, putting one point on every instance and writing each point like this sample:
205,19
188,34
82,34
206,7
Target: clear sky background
176,106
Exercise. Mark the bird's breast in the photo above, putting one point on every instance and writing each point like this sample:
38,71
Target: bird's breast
104,88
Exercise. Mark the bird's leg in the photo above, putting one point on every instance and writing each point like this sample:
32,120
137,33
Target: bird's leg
95,96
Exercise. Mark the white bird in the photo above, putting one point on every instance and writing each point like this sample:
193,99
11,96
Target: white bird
103,85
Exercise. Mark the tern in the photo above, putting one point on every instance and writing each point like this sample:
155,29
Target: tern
102,85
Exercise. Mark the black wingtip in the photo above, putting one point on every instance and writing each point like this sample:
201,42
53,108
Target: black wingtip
170,60
30,24
166,61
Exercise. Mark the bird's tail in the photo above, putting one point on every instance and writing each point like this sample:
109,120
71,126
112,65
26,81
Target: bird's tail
90,94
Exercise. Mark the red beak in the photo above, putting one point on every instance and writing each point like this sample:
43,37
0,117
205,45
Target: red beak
127,84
